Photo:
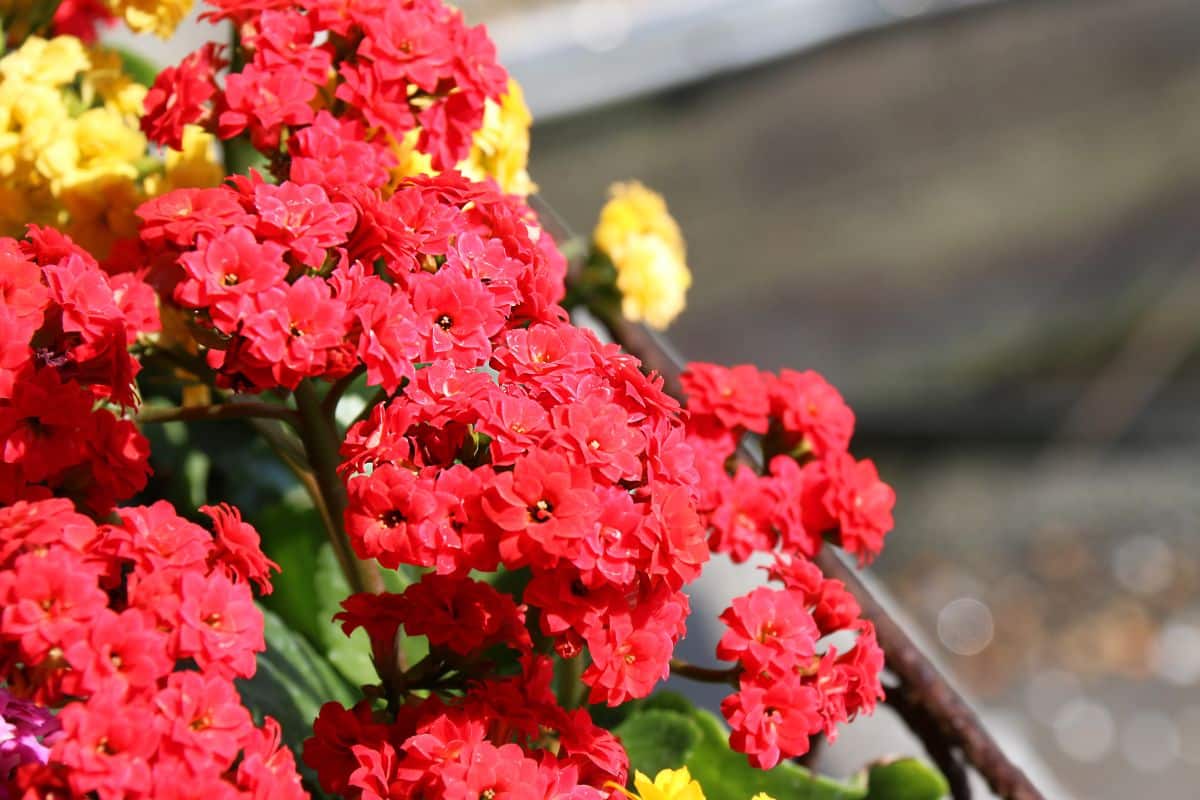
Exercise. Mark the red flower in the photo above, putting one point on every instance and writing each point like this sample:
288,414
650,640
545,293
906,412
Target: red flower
627,660
48,599
226,272
303,218
811,410
769,630
543,507
219,626
774,721
399,517
107,744
264,101
737,396
206,721
455,317
122,648
462,614
239,549
179,95
285,39
601,437
335,152
181,217
847,498
743,522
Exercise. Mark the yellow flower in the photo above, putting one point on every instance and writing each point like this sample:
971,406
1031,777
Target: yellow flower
646,247
156,16
634,210
45,62
653,283
500,149
195,166
409,160
71,151
669,784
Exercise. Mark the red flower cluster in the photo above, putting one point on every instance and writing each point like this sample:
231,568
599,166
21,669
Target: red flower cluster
814,489
490,742
390,67
102,621
563,459
788,688
65,327
507,439
285,277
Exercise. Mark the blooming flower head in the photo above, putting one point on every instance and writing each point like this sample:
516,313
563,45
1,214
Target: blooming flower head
646,247
668,784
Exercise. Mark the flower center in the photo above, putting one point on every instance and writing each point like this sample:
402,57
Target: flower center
541,510
391,519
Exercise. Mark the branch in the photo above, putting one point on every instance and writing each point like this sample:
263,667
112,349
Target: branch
924,688
235,410
330,403
947,758
321,446
704,674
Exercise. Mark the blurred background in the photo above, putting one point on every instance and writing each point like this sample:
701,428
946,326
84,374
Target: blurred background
979,220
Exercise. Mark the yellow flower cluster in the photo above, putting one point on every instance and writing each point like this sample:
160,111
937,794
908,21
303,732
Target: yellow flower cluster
499,149
24,17
646,247
71,153
671,784
159,17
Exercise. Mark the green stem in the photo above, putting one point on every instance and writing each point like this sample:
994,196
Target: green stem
330,403
318,432
571,688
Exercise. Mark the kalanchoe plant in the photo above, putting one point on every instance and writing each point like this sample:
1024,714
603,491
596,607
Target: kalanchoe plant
515,506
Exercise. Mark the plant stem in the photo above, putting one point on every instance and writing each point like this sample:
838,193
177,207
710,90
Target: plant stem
330,403
704,674
571,688
218,412
319,435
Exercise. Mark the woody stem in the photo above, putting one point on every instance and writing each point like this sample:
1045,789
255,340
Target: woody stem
704,674
218,412
317,432
571,688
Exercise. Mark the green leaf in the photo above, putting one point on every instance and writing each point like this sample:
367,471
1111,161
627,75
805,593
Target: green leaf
904,779
350,654
292,536
241,157
658,739
726,775
292,682
667,731
138,67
